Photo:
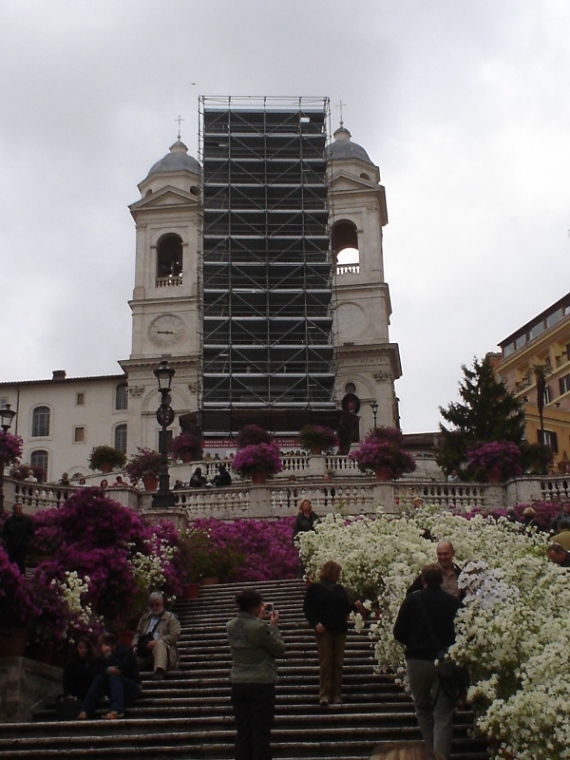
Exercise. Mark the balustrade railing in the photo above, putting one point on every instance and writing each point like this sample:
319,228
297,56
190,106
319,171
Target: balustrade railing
333,483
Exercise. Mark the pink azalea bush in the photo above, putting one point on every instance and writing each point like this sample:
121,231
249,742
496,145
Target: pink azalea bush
144,464
263,550
261,457
185,444
250,435
11,447
320,436
383,448
99,539
500,459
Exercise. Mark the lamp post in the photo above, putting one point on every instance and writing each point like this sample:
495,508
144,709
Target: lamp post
165,416
374,406
7,414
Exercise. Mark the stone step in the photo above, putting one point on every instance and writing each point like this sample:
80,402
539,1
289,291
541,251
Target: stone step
189,714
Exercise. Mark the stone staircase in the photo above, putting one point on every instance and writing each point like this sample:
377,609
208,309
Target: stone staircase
189,716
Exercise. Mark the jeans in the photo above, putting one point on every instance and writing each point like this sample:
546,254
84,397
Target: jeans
254,707
434,708
120,690
330,646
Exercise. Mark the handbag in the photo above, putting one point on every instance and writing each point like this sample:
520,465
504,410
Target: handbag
67,708
145,640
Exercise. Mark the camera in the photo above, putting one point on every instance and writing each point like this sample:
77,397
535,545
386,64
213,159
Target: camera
268,607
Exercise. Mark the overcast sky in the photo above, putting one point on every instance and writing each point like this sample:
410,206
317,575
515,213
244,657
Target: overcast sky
464,105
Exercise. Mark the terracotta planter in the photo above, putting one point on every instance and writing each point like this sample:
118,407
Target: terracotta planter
316,450
494,477
383,474
106,467
192,591
150,483
258,478
13,641
186,458
209,581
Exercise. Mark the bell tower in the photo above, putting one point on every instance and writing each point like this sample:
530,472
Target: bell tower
367,363
165,304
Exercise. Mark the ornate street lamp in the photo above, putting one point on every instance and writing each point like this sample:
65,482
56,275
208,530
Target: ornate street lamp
374,406
7,414
165,416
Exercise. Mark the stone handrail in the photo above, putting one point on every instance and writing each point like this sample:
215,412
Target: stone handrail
332,482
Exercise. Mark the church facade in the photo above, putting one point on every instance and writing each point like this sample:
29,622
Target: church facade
259,277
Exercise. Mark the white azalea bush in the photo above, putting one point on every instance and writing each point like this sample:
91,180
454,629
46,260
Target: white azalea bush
513,632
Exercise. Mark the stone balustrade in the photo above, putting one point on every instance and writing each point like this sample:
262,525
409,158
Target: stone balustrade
332,482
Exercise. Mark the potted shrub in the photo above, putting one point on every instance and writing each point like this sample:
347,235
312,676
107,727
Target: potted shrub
495,460
106,458
251,435
186,447
258,461
204,559
382,452
317,438
145,466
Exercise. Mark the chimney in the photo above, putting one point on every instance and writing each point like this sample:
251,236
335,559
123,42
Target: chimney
59,374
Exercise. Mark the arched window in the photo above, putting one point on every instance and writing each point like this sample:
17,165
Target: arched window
40,459
40,421
169,257
121,397
344,241
121,438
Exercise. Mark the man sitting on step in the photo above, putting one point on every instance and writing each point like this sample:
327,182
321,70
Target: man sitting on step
155,640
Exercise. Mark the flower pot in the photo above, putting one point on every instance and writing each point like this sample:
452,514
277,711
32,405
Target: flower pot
258,478
209,581
494,477
150,483
383,474
316,450
13,641
186,458
192,591
106,467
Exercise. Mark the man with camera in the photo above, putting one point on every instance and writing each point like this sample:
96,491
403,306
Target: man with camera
155,640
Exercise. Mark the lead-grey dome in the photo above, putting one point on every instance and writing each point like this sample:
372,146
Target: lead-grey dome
177,160
343,147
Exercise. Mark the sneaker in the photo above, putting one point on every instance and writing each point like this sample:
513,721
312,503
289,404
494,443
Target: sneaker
324,703
113,715
158,675
336,703
82,716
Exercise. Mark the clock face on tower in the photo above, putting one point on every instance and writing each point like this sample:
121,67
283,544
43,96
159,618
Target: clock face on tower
351,320
166,330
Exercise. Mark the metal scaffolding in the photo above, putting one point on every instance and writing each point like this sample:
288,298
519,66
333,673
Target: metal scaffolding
266,281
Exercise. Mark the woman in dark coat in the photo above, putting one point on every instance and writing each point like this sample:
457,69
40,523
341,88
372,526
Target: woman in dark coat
80,669
306,518
327,607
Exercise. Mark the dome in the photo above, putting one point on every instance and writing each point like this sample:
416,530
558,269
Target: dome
177,160
343,147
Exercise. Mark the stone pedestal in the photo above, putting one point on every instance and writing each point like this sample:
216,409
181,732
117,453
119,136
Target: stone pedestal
25,685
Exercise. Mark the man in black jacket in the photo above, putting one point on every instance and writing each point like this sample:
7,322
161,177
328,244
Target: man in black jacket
425,626
451,571
17,533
